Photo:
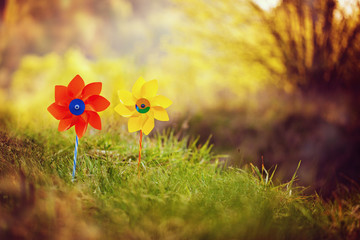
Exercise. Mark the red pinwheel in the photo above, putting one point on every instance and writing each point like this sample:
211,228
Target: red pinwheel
78,105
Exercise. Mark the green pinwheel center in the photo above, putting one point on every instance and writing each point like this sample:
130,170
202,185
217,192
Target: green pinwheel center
142,105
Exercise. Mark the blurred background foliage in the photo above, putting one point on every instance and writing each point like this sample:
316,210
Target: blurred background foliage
278,79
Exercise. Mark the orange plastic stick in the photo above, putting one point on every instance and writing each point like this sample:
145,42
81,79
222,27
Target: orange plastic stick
140,147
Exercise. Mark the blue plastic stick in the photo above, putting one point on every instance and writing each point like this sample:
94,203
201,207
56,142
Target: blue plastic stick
75,155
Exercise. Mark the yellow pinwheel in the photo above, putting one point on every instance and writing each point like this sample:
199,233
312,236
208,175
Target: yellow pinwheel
143,106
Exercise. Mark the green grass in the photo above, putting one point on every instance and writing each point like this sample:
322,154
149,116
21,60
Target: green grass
183,192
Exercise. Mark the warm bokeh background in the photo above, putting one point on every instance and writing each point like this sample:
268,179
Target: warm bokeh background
278,79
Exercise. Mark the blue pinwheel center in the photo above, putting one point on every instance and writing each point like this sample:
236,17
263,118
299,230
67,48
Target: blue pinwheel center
77,107
142,105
